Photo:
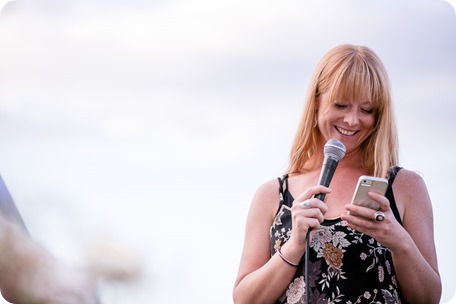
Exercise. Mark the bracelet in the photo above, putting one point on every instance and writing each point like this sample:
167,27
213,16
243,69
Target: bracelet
285,259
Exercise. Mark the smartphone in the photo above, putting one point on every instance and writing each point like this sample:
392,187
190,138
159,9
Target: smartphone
365,184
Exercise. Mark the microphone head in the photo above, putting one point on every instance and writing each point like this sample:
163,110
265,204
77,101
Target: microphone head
334,149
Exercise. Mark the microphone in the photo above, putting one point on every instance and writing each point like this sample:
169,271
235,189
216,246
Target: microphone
334,151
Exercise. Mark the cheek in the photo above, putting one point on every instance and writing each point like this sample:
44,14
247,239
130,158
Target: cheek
369,121
328,116
369,125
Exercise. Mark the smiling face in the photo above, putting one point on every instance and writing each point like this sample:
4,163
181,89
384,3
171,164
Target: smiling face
349,94
350,121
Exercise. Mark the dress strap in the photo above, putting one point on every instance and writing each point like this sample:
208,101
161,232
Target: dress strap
283,180
390,195
283,185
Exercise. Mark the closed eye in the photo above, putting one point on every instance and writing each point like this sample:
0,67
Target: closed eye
340,106
367,111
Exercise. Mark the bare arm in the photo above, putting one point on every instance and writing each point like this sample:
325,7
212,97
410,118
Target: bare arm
416,260
262,278
412,245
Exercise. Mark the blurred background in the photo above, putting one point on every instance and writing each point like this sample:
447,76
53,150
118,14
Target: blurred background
133,134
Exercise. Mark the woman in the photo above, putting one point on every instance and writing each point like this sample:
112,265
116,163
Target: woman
352,258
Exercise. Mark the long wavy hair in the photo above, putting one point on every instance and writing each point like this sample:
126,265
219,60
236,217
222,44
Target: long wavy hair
347,72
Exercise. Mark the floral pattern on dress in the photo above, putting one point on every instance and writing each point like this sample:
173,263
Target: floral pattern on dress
346,266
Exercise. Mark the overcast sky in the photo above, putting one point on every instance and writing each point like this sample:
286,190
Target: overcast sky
147,126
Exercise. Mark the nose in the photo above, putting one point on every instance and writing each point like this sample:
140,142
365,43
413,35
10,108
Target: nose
351,118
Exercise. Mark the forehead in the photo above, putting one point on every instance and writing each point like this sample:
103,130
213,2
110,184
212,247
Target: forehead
360,95
365,99
352,82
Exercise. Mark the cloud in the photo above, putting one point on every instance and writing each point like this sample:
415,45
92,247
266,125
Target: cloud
3,3
452,3
161,97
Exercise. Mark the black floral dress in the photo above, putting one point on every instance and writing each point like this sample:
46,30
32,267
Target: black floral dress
346,266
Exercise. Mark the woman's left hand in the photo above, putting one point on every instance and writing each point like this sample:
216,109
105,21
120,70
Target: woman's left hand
381,224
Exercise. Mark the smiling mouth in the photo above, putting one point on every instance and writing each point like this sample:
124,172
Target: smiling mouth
346,132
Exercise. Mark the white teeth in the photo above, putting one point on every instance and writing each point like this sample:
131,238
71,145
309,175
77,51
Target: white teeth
346,132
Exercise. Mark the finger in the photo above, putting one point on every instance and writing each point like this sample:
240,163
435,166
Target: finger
311,203
361,224
356,223
314,213
320,190
382,200
364,216
306,204
359,210
312,191
305,223
315,223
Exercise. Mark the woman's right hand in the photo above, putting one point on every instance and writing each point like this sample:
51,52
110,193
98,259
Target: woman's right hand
307,213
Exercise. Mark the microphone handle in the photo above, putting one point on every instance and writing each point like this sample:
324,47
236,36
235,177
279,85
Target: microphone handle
326,175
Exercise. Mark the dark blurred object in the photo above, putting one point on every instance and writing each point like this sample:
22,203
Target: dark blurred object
7,206
30,274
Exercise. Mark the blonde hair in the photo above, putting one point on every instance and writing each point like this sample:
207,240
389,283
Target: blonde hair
347,72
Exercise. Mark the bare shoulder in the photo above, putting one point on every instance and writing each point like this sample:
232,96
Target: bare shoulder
411,194
408,181
267,196
269,189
